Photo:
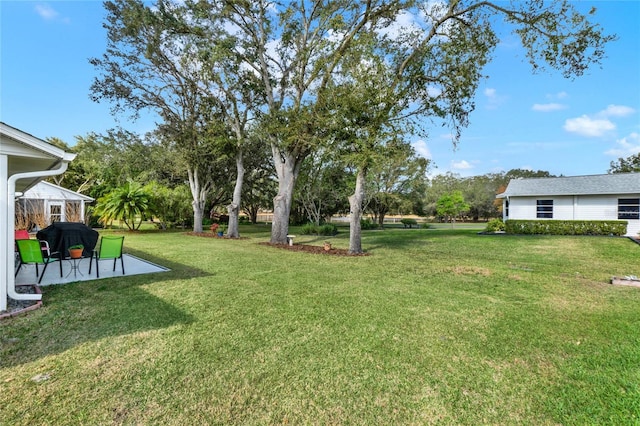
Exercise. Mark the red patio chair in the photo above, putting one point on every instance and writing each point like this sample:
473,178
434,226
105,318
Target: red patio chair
23,234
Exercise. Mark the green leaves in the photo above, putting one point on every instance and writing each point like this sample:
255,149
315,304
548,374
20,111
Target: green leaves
130,203
451,205
626,165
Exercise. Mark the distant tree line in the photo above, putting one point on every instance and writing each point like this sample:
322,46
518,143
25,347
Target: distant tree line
477,193
122,169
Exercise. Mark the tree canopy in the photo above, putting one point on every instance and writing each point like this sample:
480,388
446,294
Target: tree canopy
626,165
450,206
310,74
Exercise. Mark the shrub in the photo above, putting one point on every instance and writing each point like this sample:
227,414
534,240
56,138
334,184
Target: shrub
309,229
328,229
566,227
425,225
367,223
312,229
495,225
409,222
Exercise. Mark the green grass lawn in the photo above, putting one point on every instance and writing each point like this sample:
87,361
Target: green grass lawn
434,326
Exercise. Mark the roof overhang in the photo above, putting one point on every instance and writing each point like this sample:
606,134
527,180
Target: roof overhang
24,161
47,190
26,153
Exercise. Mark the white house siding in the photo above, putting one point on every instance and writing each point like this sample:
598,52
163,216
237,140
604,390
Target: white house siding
55,203
578,207
592,207
563,208
633,228
522,208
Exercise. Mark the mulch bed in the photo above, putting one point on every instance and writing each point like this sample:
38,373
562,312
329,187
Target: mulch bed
296,247
315,249
212,235
18,307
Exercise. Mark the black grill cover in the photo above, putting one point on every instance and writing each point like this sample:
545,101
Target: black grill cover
62,235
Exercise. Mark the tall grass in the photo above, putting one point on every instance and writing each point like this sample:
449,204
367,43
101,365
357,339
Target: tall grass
434,326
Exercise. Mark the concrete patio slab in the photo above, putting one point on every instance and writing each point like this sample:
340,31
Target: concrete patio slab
132,266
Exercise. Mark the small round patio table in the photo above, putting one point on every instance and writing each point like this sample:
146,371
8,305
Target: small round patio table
75,266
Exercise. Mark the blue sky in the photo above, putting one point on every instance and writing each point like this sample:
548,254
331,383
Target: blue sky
522,120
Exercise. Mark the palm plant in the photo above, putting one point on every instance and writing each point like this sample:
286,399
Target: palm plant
130,203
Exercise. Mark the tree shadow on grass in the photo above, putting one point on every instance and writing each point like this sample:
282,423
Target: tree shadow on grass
395,238
402,239
87,311
176,270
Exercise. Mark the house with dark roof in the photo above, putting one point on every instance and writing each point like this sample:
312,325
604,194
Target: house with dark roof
595,197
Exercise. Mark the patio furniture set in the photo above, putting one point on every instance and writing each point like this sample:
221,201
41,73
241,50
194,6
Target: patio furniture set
55,243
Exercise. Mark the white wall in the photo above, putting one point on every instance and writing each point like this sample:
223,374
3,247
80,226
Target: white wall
594,207
585,207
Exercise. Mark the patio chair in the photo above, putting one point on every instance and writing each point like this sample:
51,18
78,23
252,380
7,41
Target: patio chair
23,234
20,234
110,248
30,251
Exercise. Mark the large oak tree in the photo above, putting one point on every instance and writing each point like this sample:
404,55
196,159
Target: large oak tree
433,64
428,59
151,63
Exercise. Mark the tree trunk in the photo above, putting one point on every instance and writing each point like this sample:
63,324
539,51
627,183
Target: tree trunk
197,216
252,211
199,194
287,168
355,203
234,208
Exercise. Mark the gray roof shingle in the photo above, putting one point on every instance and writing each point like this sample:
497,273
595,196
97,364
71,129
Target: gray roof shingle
622,183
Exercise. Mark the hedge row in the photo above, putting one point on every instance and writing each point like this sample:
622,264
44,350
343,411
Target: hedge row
326,229
566,227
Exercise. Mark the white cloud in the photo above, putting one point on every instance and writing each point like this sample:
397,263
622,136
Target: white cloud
402,23
587,126
461,165
626,146
46,12
556,96
548,107
493,98
422,149
434,91
616,111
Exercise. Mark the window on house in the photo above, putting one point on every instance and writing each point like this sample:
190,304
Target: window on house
55,213
628,208
506,207
544,209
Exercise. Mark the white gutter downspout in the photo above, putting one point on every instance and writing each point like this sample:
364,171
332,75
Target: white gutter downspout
11,191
